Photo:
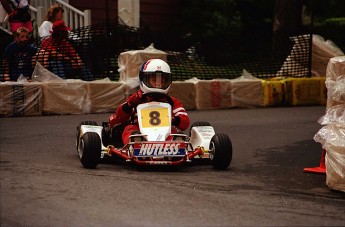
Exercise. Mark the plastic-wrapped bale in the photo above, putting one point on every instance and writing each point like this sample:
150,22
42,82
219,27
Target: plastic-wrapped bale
20,99
105,96
213,94
247,92
322,51
274,92
130,61
323,88
185,92
67,97
336,68
332,138
334,114
303,91
131,86
335,82
335,93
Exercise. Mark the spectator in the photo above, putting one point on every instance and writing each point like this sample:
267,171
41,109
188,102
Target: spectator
19,14
58,55
54,13
18,57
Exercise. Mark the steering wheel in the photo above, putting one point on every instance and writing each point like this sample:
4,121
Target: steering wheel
158,96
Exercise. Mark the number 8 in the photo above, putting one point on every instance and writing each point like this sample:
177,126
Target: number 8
154,118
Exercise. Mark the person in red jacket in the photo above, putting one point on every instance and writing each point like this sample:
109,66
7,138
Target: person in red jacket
154,76
19,14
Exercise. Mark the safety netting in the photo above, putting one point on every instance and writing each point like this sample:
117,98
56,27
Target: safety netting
92,52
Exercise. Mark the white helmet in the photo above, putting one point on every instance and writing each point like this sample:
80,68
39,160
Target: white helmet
155,76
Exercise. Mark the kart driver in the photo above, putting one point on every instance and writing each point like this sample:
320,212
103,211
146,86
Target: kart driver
154,76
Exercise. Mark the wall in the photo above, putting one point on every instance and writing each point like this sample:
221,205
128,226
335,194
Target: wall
158,15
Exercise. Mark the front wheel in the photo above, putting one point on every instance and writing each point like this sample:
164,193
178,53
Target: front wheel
90,149
78,130
220,151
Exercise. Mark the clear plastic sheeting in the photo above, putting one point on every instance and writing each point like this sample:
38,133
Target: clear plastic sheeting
213,94
336,68
20,99
335,82
331,134
334,114
105,96
41,74
185,92
68,97
336,89
332,138
339,90
322,51
247,91
129,62
131,85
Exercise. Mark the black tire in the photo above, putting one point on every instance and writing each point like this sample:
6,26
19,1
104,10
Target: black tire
198,123
220,151
90,150
116,135
78,130
88,123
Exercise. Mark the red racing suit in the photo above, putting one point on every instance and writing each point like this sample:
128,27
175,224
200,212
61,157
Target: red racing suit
125,114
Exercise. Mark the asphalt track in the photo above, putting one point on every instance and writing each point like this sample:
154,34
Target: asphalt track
44,184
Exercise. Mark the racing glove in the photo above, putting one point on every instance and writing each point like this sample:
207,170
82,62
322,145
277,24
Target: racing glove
133,101
176,120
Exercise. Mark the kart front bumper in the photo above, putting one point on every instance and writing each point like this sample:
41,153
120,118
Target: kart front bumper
154,160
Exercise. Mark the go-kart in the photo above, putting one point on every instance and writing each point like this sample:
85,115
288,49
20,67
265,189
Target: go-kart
153,144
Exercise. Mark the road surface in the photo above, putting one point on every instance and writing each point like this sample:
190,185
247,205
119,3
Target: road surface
44,184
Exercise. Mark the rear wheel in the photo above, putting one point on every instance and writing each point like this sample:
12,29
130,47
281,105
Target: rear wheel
116,135
78,130
220,151
90,149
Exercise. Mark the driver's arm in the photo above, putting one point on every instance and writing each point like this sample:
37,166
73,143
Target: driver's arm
180,116
125,110
119,117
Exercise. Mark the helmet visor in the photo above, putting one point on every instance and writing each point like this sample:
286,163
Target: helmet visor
158,80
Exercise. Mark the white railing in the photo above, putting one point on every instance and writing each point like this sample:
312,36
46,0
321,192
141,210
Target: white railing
35,14
73,17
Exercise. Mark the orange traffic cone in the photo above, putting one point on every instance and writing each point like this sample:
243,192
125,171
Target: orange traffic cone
319,169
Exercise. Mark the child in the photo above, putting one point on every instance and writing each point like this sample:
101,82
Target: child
58,55
154,76
18,56
54,13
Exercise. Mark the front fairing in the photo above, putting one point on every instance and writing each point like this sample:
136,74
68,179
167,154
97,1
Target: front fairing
154,120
